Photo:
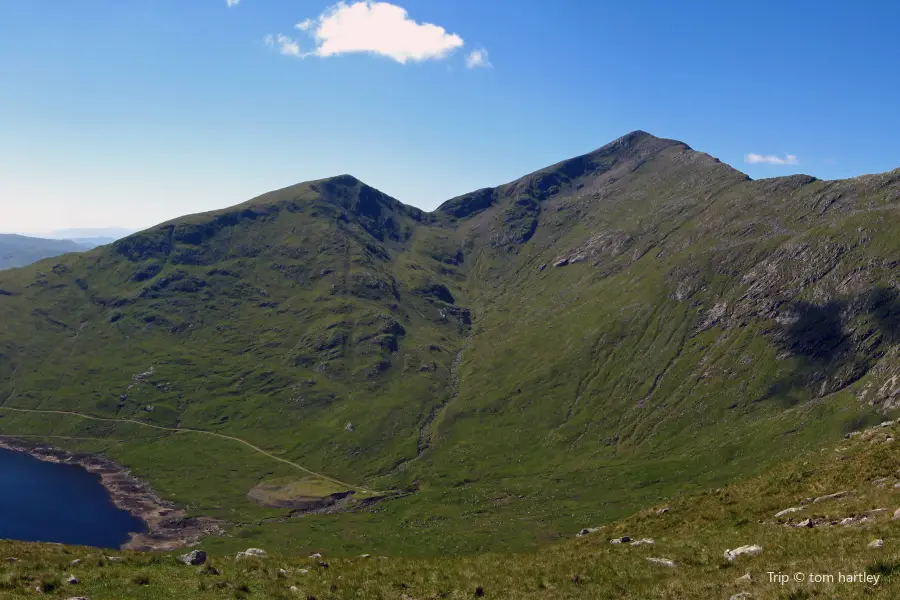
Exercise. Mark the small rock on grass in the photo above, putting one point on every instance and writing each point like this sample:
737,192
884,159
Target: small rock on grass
622,540
258,552
835,496
744,579
79,598
753,550
72,580
896,515
643,542
875,544
788,511
741,596
665,562
194,557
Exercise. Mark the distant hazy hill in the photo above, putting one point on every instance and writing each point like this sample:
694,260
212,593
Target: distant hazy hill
93,242
19,250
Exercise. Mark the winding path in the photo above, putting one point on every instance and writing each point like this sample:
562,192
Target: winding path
187,430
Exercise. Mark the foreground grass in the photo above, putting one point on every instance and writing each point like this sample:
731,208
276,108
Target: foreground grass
694,533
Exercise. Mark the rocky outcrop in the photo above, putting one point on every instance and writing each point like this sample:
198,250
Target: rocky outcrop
752,550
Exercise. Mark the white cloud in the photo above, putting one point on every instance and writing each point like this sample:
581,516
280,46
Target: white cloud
376,28
285,45
771,159
231,3
478,58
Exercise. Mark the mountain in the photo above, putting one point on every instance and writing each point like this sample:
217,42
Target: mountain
624,326
19,250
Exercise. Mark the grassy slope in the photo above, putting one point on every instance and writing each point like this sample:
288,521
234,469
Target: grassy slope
715,326
694,533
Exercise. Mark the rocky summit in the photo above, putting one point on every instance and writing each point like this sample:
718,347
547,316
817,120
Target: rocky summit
326,367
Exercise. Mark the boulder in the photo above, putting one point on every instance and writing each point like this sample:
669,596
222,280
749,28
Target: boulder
665,562
72,580
75,562
662,511
257,552
752,550
587,531
897,514
194,558
788,511
643,542
315,556
806,523
876,544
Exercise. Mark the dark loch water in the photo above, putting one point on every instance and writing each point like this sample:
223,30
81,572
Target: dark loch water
48,502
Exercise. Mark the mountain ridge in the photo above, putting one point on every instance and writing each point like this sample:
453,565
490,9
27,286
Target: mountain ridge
621,326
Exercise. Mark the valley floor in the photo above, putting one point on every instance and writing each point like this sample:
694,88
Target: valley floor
840,539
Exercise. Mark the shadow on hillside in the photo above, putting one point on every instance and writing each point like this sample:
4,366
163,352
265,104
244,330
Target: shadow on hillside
834,344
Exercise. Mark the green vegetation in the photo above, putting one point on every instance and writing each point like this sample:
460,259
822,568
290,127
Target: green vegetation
563,350
694,532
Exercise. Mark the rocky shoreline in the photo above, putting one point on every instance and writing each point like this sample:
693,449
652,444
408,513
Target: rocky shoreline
168,527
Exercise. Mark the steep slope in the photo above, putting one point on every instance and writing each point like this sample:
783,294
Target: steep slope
597,335
20,250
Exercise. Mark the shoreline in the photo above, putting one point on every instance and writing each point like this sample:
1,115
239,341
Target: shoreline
167,526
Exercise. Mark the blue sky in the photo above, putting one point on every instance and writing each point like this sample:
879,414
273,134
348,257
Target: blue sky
132,113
